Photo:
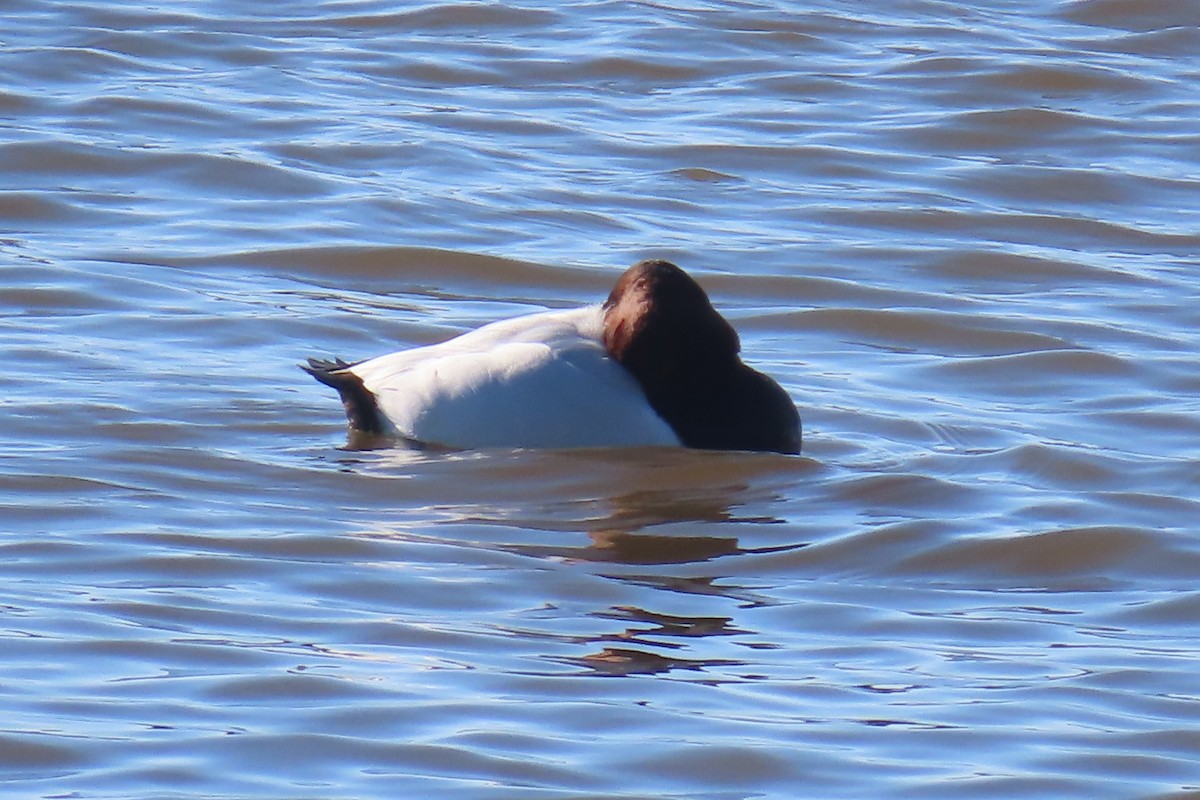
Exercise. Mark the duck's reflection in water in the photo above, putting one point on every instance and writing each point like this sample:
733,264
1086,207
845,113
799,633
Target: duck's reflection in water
630,652
662,523
636,548
652,642
626,661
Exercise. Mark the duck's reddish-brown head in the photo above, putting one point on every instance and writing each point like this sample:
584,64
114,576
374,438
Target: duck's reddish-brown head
660,325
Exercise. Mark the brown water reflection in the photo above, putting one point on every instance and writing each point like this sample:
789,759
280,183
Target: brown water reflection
625,661
659,527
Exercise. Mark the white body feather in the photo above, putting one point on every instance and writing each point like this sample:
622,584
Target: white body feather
542,380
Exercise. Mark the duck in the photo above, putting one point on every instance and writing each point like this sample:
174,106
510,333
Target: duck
655,364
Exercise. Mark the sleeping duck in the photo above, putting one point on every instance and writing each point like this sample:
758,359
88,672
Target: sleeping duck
654,364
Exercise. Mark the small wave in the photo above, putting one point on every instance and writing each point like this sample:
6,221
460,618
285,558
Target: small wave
385,269
1133,15
926,331
1018,272
29,207
1093,557
1049,372
447,16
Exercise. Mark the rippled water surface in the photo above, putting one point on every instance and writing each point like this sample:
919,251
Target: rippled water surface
964,237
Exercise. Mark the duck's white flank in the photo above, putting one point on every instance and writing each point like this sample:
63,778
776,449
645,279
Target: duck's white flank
544,380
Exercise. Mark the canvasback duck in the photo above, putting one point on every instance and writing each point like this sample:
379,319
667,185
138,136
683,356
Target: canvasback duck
655,364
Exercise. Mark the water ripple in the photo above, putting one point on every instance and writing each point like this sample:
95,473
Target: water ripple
963,238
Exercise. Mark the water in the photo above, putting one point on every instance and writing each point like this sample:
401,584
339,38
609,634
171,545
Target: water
964,237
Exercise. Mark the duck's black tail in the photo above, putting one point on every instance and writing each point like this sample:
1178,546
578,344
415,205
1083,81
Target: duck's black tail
362,410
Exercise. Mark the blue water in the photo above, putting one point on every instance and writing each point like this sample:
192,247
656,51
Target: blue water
965,238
